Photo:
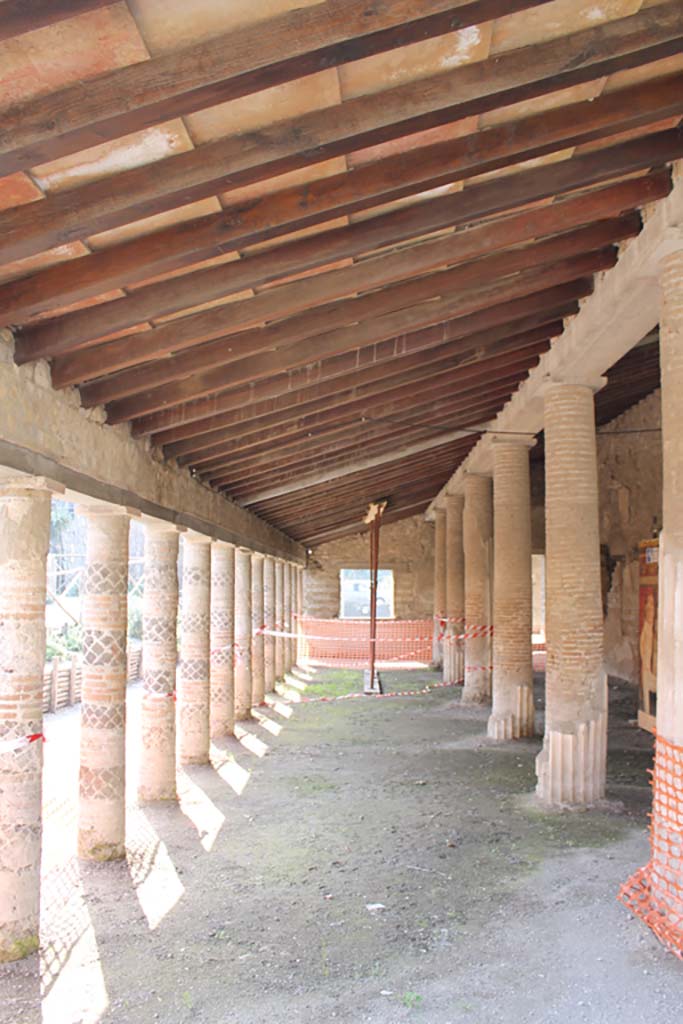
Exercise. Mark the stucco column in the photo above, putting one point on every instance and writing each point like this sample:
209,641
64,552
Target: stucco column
299,614
258,680
292,587
279,618
269,622
455,589
478,544
24,541
513,690
193,679
439,584
222,636
159,661
571,765
104,617
242,634
287,614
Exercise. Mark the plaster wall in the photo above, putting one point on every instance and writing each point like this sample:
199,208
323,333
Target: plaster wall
406,547
630,482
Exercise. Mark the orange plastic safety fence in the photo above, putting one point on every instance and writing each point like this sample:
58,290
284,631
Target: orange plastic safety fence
346,642
655,892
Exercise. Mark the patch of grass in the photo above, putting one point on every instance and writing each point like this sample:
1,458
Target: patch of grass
412,1000
310,785
335,682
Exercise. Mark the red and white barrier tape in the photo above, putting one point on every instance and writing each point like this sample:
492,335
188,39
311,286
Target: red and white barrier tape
20,742
476,632
478,668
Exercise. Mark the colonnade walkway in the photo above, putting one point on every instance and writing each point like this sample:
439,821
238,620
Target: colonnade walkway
364,860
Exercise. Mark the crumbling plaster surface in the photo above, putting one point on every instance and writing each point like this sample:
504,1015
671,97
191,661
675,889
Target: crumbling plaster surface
630,482
406,547
50,430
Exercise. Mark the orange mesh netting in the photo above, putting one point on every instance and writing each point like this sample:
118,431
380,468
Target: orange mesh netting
346,642
655,892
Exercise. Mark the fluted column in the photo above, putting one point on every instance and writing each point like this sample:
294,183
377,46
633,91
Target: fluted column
571,766
222,636
193,680
513,682
157,780
477,543
439,585
287,614
242,634
104,615
279,619
258,680
24,541
269,621
455,589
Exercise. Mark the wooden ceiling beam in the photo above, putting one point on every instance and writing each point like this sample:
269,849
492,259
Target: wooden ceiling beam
399,371
306,520
491,303
218,166
380,181
316,314
477,330
361,400
243,60
20,16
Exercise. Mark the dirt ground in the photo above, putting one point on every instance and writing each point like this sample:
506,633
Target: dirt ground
364,860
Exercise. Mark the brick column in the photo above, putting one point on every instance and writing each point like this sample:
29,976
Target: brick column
299,614
104,616
513,684
455,589
159,660
477,543
24,541
193,680
269,621
287,614
439,584
221,639
242,634
571,766
258,681
279,618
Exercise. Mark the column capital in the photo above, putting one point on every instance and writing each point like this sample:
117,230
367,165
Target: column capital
224,545
516,440
12,484
572,380
193,537
671,245
162,526
103,509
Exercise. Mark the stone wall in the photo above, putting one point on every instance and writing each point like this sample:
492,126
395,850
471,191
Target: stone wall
630,481
406,547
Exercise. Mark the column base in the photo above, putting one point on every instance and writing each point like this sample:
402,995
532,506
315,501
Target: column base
571,766
516,724
100,852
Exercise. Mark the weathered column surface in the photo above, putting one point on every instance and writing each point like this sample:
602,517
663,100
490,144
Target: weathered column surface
513,690
222,636
477,543
439,584
455,589
242,634
24,541
269,622
157,779
279,618
258,680
104,616
287,613
193,679
299,614
571,765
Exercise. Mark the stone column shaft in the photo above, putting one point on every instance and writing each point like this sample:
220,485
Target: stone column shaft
269,620
242,634
478,544
258,680
24,540
455,589
222,637
439,584
513,683
104,616
279,619
159,663
193,681
299,613
571,766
